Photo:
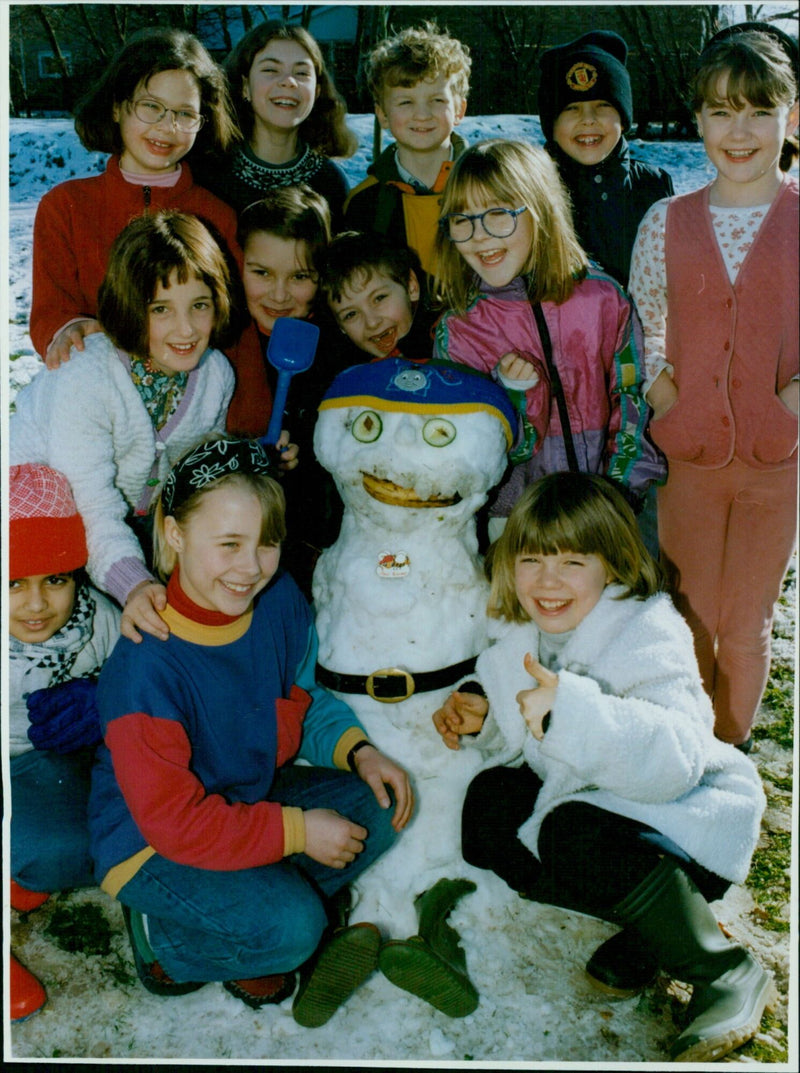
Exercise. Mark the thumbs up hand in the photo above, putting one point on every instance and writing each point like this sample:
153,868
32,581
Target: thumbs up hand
535,704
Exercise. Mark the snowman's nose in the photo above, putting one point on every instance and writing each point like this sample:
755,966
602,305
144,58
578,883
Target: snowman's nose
406,434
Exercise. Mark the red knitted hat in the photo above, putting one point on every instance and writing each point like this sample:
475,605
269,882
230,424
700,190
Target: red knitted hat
46,534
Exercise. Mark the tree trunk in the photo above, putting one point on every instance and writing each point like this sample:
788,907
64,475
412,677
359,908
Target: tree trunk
61,62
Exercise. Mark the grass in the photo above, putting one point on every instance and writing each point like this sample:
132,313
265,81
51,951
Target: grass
779,699
759,1050
80,928
769,879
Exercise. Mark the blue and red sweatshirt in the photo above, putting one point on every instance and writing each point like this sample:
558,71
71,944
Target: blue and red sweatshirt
195,729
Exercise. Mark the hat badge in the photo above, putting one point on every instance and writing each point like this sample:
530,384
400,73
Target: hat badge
581,76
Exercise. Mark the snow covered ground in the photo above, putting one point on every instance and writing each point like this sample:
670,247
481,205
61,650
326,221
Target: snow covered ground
536,1008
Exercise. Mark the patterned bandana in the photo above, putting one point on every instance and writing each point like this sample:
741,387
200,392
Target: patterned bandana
208,462
61,650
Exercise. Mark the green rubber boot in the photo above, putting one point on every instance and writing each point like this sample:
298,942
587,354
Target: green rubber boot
730,989
432,964
343,962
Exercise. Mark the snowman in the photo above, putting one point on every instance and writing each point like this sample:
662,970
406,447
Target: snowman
400,602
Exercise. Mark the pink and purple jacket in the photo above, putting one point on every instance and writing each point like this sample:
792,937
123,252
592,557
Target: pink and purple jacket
598,350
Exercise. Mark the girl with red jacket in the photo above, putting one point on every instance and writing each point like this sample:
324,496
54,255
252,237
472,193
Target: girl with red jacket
160,93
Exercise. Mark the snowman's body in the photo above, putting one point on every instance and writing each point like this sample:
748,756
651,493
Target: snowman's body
403,589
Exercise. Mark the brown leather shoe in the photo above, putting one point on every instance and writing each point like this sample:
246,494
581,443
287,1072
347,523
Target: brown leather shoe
262,990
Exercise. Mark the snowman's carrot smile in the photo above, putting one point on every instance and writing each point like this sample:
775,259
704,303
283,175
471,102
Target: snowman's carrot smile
397,496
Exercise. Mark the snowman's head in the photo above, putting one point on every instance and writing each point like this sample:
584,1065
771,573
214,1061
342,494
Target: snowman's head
416,437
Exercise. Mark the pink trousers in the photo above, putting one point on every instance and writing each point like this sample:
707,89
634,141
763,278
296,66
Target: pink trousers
726,538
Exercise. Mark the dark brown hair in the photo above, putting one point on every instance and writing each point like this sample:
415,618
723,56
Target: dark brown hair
144,255
146,53
290,212
353,256
759,72
325,129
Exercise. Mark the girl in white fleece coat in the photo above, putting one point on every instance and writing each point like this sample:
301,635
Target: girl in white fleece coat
618,801
117,415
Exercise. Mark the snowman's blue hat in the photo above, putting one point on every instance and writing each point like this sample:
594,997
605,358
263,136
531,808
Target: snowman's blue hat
434,387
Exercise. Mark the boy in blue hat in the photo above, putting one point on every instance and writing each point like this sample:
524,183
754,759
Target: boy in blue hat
585,108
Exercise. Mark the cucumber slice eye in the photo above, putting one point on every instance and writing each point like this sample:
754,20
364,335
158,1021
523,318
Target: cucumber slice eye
367,427
438,432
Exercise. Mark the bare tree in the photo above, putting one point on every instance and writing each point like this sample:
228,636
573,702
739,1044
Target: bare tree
767,13
667,40
522,31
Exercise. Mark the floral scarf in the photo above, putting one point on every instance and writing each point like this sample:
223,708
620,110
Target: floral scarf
161,393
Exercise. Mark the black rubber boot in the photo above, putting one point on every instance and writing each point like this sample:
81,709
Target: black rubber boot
432,964
730,989
623,965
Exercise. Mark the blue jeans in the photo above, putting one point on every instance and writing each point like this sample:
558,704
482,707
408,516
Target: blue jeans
207,925
49,834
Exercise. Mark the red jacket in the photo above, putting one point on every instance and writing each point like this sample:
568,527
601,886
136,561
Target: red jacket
76,224
733,346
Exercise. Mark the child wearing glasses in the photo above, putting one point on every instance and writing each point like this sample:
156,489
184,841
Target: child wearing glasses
525,306
160,94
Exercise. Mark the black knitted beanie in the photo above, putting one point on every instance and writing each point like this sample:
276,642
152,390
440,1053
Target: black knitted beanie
590,68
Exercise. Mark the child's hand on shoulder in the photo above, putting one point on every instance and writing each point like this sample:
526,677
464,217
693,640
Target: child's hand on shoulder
141,612
516,366
461,713
332,839
69,337
535,704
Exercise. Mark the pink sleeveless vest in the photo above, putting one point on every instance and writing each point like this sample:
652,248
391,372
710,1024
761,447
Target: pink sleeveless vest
733,347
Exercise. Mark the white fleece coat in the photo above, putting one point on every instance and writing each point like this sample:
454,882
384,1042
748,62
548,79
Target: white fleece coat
87,420
631,731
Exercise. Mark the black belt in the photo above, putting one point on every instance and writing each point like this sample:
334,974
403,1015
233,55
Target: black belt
392,684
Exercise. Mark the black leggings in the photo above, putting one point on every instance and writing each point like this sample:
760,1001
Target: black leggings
589,858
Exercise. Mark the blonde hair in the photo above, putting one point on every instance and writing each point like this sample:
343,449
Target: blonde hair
266,490
418,54
759,73
515,173
570,512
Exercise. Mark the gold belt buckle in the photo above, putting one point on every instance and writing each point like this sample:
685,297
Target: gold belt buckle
390,672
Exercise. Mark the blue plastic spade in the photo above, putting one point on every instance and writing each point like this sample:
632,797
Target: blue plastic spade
291,349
